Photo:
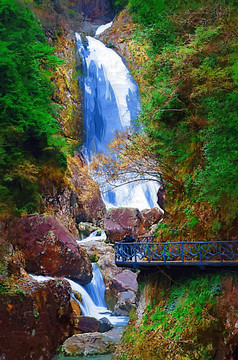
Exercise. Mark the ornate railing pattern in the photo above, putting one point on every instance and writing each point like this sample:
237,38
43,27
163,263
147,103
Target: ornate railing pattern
176,253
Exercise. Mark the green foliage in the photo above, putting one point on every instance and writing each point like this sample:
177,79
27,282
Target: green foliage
219,177
93,258
29,132
190,108
180,323
119,4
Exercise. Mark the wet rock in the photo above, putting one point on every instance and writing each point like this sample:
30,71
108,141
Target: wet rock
105,255
85,228
151,217
120,221
35,319
49,249
105,325
87,324
126,301
126,280
93,343
89,344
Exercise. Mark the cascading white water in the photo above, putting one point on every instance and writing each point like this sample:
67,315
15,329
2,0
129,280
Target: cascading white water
93,303
111,103
102,28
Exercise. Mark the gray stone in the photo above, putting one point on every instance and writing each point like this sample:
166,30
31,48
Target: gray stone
126,280
105,325
89,344
126,301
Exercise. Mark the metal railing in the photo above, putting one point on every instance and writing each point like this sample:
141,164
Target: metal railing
176,253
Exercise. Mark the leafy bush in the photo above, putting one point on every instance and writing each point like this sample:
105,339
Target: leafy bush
29,132
190,109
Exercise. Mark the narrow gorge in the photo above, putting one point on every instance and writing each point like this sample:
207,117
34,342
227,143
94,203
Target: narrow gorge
118,123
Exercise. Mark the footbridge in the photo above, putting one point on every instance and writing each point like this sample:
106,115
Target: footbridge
143,252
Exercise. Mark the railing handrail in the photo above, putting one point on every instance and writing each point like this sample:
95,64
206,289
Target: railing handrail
218,252
176,242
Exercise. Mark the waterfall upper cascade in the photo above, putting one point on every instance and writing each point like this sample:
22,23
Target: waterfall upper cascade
111,104
92,294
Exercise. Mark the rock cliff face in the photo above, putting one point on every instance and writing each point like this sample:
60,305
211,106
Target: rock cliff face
49,249
79,201
71,13
181,324
35,319
93,9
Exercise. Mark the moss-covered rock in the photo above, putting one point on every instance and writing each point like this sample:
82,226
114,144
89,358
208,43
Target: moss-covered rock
183,317
35,318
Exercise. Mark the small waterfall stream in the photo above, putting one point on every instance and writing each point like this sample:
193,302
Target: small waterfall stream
93,303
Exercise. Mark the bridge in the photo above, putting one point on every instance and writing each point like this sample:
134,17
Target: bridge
143,252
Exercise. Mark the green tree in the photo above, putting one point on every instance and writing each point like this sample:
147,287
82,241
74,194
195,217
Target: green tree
29,132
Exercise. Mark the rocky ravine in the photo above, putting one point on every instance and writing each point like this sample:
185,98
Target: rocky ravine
40,316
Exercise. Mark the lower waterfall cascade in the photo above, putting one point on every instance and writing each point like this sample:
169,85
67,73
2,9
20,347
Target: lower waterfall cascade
93,303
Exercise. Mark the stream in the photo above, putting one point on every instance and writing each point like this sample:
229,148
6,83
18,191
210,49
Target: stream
93,357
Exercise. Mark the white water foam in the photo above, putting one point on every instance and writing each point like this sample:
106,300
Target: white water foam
94,236
102,28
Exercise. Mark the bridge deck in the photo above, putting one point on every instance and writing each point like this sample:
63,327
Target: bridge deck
213,253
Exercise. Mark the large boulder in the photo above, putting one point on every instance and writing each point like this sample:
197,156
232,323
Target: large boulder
126,280
35,319
49,249
93,343
88,324
120,221
151,217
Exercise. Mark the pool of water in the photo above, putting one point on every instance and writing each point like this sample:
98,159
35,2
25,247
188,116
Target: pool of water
92,357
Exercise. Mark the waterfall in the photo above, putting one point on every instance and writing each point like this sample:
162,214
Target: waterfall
102,28
111,104
93,303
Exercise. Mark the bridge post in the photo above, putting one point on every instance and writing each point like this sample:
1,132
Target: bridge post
220,249
148,252
182,253
164,253
134,245
200,253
